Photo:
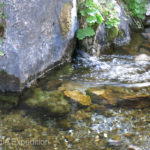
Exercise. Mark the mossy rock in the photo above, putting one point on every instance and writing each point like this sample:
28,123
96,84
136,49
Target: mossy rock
54,102
8,101
64,123
112,33
121,34
65,19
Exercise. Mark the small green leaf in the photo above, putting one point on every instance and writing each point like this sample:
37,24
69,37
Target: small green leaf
83,12
80,34
1,53
99,19
89,31
1,5
83,33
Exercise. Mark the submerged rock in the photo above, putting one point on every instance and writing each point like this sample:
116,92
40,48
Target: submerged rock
132,147
119,95
53,102
96,108
79,97
11,98
49,85
8,100
81,115
71,86
115,142
64,123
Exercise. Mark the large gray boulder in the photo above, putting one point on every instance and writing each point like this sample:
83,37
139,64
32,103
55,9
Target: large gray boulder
38,35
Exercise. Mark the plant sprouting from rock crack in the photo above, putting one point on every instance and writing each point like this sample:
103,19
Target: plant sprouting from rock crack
94,14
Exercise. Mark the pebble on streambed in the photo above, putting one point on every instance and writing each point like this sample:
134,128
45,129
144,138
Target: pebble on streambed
79,97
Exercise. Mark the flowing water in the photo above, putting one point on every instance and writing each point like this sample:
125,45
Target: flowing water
84,128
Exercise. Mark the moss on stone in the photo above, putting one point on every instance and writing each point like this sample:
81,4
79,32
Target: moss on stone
10,98
112,33
54,102
65,19
121,33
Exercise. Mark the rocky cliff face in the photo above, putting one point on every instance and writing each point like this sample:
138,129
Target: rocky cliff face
37,36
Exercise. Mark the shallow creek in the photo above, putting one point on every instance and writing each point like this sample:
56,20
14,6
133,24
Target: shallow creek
103,127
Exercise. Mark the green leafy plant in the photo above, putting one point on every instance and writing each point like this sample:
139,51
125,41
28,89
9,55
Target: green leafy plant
92,14
137,8
86,32
110,16
2,54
